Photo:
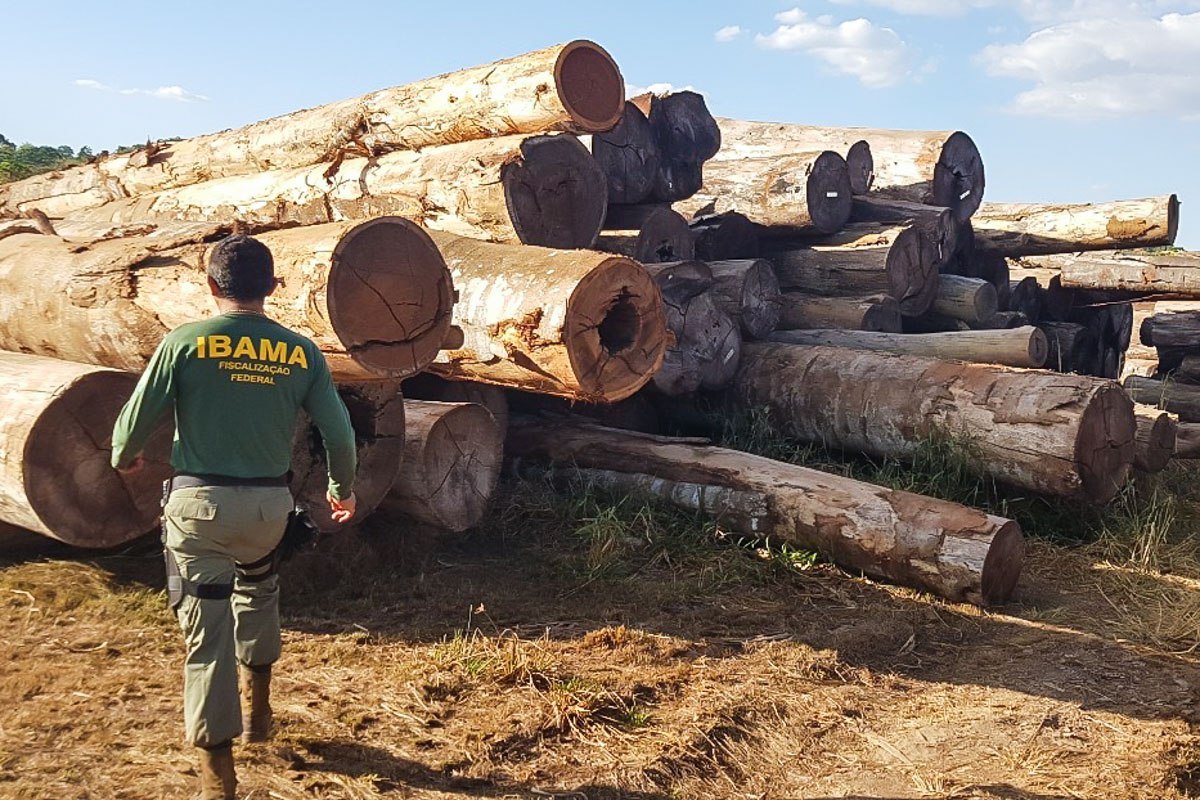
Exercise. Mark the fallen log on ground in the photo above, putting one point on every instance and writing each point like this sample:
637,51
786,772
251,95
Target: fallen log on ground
1180,399
375,296
805,193
452,458
569,87
950,550
577,323
628,156
862,259
748,291
1053,434
1166,273
687,136
1154,442
663,236
803,311
543,190
55,473
971,300
377,415
1014,347
1020,229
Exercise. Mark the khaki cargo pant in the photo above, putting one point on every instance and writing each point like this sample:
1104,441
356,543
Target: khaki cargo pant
209,529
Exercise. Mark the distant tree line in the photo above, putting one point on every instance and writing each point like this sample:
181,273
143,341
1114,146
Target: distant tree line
19,161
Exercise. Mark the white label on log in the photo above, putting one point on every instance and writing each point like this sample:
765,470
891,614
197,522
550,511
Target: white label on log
728,356
831,194
963,196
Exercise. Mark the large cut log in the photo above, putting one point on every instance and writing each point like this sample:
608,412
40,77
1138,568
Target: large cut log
971,300
375,296
748,291
803,311
428,386
1014,347
1174,329
377,415
1025,295
1019,229
940,224
1055,301
543,190
1187,440
1054,434
1072,347
721,237
577,323
628,155
569,87
768,140
862,259
680,282
687,136
1180,399
941,168
1154,442
713,338
804,193
55,472
1166,273
941,547
663,236
452,458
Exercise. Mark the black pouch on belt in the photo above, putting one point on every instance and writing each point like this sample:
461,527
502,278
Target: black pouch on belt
300,534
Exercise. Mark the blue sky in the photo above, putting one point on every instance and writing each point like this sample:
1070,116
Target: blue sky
1068,100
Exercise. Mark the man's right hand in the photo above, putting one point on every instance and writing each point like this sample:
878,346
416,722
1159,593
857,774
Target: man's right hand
342,510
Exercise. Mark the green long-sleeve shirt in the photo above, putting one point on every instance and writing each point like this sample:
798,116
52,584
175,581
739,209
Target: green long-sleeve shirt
236,383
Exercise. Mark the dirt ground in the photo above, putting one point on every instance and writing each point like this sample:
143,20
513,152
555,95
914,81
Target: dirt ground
544,656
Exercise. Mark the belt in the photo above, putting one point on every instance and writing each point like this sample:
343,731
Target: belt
189,480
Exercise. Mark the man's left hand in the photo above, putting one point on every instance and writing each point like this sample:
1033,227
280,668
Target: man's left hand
134,466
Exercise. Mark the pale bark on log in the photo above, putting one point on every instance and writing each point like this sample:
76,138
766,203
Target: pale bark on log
1187,440
1180,399
721,237
1072,347
428,386
664,236
570,87
748,291
377,416
687,136
543,190
452,458
628,155
375,296
802,311
863,259
971,300
1140,367
941,547
574,323
941,168
1019,229
1155,438
805,193
750,141
55,473
1166,273
1016,347
1137,350
1054,434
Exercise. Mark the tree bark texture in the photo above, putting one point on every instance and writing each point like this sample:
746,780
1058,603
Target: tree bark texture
950,550
1187,440
1015,347
570,87
375,296
1072,346
948,235
970,299
1152,273
1180,399
663,236
628,156
748,291
802,311
1054,434
687,136
1019,229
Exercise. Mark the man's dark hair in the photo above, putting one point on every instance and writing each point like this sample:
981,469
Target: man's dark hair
242,268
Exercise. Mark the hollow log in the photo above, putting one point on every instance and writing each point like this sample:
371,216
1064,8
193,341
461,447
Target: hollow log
577,323
1016,347
452,458
377,416
687,136
971,300
862,259
663,236
1180,399
748,291
941,547
1072,347
802,311
1019,229
799,194
569,87
1166,273
55,473
941,168
543,190
1054,434
375,296
628,156
1187,440
721,237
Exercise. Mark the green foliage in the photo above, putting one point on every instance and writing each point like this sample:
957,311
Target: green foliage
22,161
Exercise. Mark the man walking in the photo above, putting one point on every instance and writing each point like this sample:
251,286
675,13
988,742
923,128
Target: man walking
235,383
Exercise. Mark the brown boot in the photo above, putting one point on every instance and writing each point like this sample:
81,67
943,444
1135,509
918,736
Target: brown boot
217,778
256,702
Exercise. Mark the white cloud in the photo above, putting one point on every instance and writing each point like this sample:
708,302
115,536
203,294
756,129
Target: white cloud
877,56
175,93
728,33
1111,66
655,88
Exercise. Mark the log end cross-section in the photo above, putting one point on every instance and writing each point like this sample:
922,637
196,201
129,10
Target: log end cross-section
590,86
958,180
555,192
390,296
828,192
